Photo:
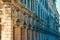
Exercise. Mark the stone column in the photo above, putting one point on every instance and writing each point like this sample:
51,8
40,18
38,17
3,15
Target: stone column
7,28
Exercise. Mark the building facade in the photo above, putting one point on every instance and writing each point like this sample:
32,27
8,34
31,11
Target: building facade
28,20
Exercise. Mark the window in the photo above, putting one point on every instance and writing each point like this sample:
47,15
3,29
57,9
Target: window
34,26
21,1
44,14
38,10
28,4
24,1
23,34
13,33
31,21
32,5
0,31
46,39
36,7
32,35
0,19
43,1
46,4
28,34
26,20
41,12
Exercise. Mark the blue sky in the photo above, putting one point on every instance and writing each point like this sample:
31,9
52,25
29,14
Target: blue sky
58,5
